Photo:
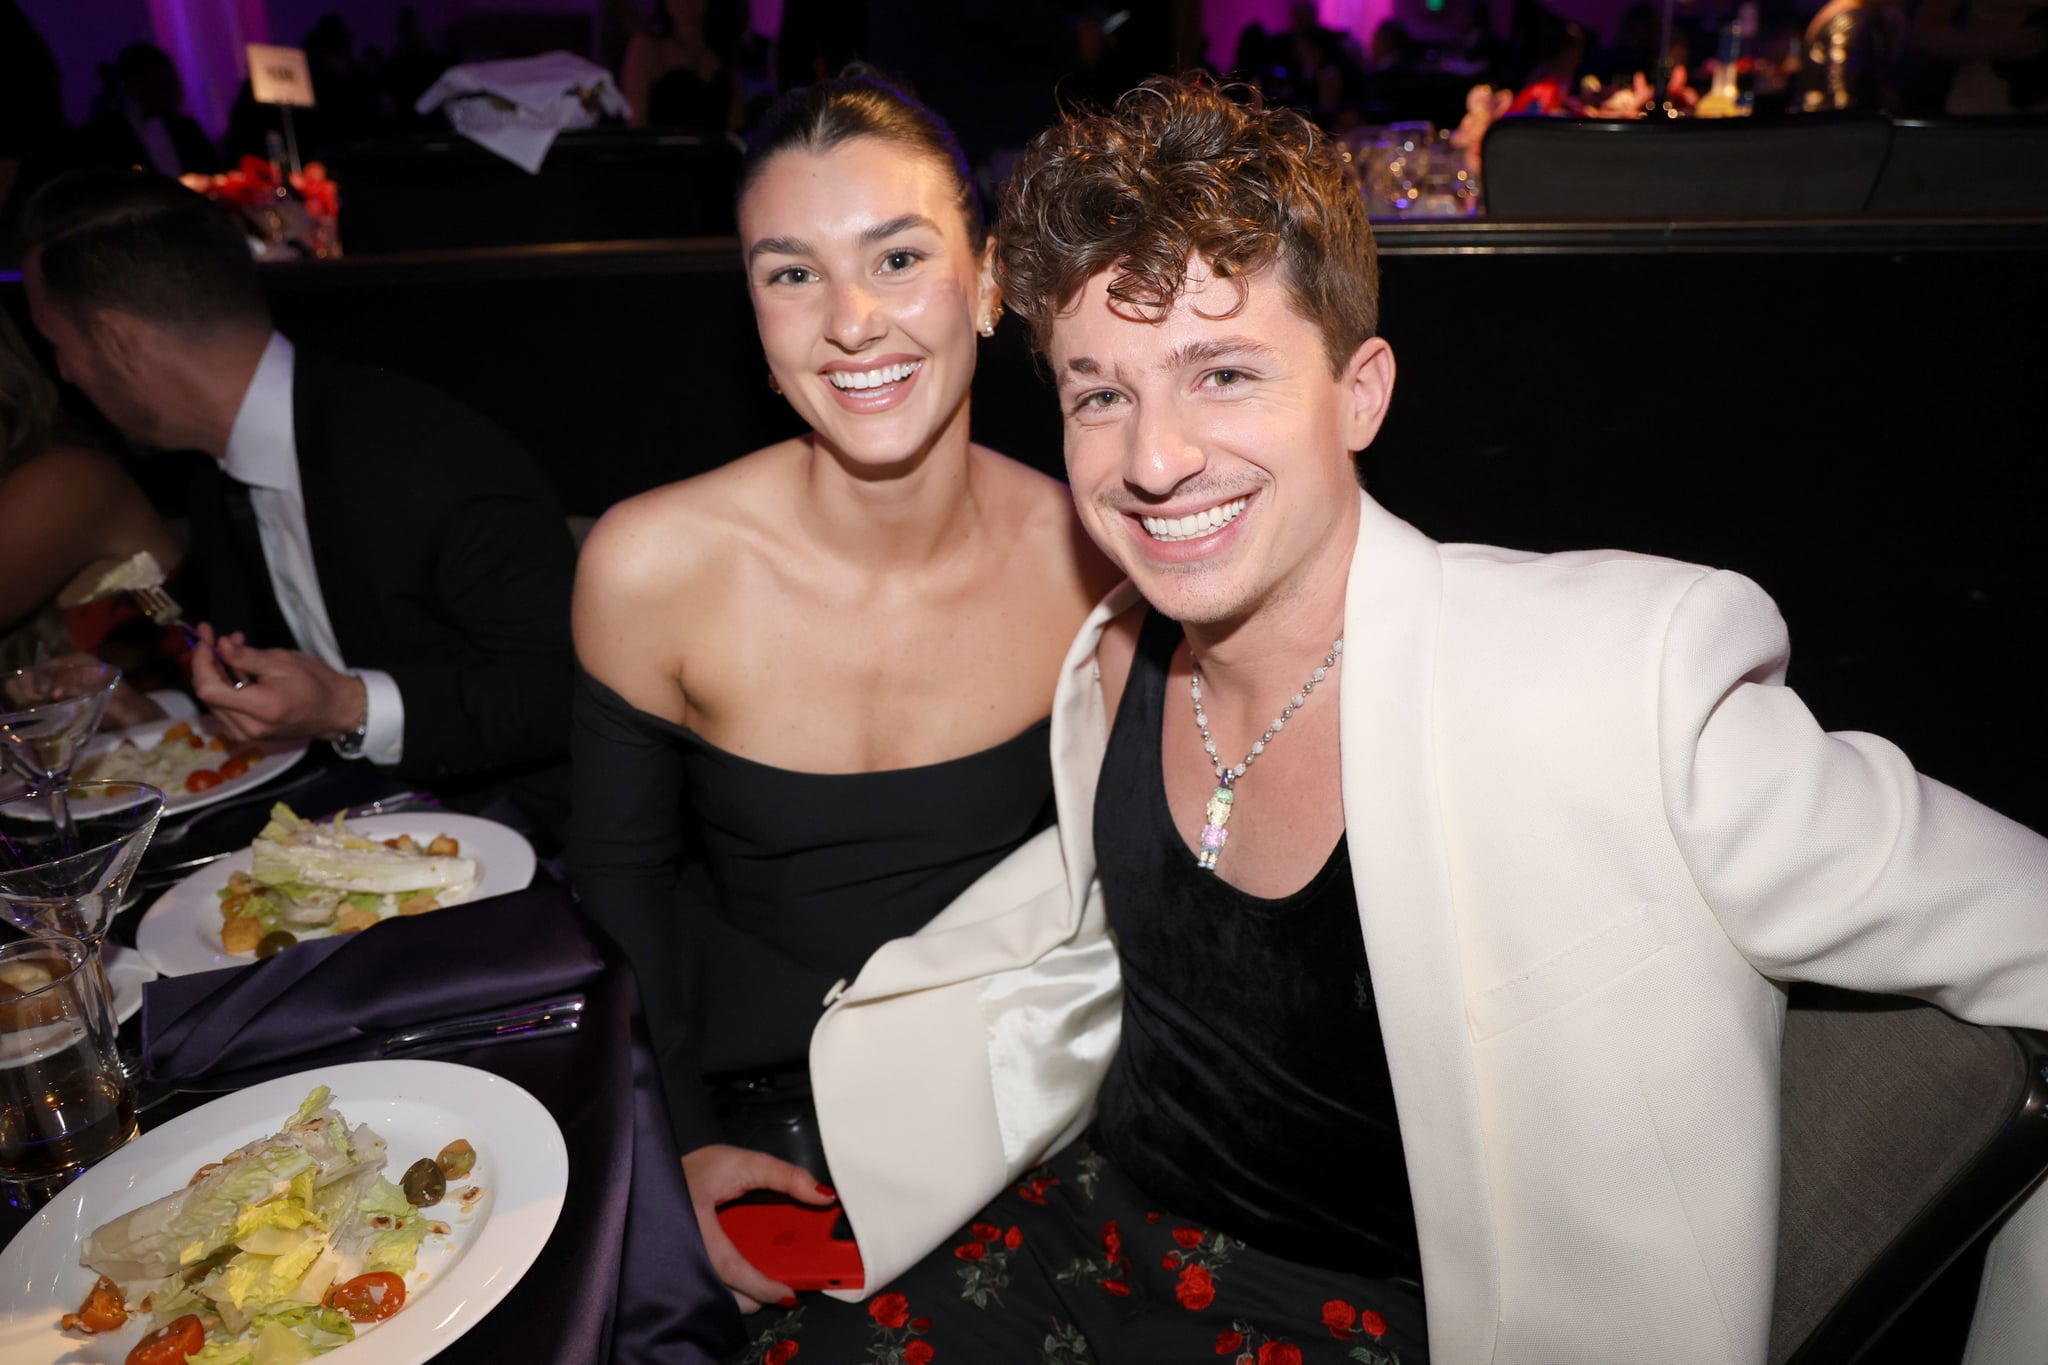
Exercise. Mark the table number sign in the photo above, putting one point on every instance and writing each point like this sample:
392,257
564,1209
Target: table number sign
279,75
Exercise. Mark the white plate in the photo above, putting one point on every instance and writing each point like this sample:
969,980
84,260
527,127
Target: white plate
416,1107
181,932
127,973
278,755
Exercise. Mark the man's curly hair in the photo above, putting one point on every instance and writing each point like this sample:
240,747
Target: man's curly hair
1180,168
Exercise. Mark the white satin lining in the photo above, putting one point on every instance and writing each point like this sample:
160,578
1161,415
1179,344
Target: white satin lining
1052,1030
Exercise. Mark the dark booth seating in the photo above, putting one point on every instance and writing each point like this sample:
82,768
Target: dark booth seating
1818,166
1965,165
1905,1135
437,191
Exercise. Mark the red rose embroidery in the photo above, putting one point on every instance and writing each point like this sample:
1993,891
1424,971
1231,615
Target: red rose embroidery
1279,1353
970,1251
1228,1341
779,1353
1117,1287
1188,1237
1030,1195
921,1325
1112,1240
1171,1260
1014,1238
891,1310
1338,1317
987,1232
1151,1217
1372,1323
1196,1290
918,1353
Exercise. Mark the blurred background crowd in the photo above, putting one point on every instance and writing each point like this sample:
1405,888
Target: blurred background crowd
106,93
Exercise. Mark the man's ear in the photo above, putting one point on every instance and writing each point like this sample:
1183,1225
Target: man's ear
122,340
1368,382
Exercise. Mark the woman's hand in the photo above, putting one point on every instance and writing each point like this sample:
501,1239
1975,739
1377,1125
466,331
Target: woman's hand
130,705
719,1174
127,705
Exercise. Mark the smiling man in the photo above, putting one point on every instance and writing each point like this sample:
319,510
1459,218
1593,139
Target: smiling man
1451,889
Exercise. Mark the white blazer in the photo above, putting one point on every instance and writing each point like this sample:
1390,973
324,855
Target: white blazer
1590,832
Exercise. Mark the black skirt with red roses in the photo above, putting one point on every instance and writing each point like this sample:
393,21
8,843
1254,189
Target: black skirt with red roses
1077,1266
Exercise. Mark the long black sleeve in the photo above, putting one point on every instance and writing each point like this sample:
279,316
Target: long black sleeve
638,879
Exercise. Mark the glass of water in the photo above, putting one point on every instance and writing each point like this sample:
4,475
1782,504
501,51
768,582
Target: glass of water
64,1102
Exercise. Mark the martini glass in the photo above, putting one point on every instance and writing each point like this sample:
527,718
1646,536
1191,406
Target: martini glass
67,876
48,714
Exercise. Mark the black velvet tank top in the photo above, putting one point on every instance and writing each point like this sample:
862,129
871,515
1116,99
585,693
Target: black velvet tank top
1250,1091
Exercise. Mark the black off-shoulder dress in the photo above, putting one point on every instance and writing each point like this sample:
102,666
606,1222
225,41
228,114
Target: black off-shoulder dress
742,892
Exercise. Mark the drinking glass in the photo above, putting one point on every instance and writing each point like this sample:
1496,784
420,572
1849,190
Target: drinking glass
64,1102
49,712
67,877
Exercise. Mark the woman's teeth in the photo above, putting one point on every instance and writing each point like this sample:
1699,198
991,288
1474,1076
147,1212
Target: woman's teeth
872,379
1194,524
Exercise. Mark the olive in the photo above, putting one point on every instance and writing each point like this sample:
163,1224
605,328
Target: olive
457,1159
275,942
424,1184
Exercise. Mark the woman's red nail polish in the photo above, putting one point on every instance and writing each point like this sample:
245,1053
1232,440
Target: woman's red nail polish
789,1301
828,1191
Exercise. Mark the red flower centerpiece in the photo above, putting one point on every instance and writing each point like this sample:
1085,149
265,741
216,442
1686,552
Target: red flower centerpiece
294,214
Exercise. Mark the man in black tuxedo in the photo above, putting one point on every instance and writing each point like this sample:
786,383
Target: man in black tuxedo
400,561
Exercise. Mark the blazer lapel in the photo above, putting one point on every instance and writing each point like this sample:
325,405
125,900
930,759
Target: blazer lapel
1393,818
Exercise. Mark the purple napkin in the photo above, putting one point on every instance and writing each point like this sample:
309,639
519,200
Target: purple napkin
319,1000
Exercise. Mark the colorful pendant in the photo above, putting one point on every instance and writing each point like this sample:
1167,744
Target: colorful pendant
1217,815
1217,811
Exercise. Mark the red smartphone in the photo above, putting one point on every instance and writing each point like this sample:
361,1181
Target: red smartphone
802,1245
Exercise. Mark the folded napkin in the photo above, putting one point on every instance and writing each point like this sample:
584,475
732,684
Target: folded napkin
515,108
323,1000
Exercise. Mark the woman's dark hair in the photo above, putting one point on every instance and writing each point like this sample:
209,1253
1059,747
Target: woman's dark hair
28,400
860,103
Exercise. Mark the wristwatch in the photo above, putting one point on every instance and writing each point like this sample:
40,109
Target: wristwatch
350,745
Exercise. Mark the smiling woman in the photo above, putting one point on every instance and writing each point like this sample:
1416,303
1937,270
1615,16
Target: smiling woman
817,680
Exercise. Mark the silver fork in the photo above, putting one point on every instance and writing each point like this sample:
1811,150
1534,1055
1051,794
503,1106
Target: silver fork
165,611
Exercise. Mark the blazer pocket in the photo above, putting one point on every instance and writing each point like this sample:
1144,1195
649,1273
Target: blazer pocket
1624,942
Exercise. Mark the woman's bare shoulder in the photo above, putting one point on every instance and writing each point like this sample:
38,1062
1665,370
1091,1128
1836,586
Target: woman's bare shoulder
66,464
666,537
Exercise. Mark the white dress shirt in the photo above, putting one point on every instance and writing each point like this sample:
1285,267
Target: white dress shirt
263,453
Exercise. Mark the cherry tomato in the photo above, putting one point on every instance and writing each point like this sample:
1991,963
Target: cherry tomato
251,756
203,779
234,767
102,1311
197,742
171,1344
369,1298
